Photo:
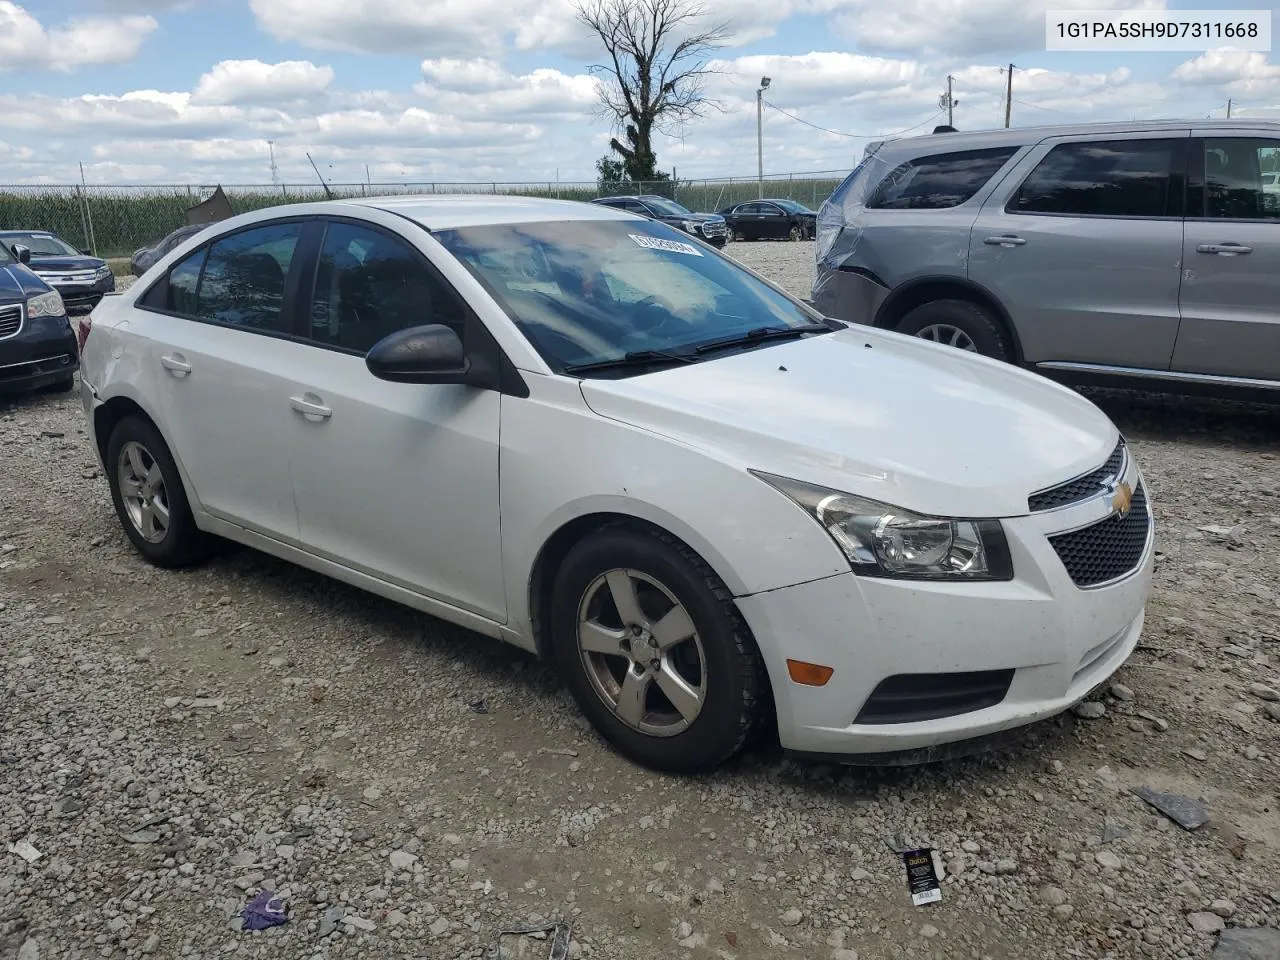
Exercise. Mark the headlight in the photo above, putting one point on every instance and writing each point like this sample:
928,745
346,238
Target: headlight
885,541
691,226
46,305
103,272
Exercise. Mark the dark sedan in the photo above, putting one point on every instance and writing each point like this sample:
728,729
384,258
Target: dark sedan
37,345
708,226
83,280
771,220
144,257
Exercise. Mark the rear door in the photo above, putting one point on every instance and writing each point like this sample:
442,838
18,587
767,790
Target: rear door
1082,245
775,223
1230,299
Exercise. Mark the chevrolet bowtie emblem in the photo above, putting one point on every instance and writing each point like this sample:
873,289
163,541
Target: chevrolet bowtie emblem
1122,500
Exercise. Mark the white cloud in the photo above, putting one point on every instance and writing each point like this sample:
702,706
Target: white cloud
484,89
1241,73
478,73
252,81
25,44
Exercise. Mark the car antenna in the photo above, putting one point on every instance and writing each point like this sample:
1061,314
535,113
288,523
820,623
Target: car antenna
327,192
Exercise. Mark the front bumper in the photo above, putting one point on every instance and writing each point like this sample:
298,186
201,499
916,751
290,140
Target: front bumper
846,295
43,353
1052,641
713,231
82,294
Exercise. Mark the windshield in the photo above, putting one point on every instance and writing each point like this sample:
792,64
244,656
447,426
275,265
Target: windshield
792,207
669,207
5,255
43,245
594,291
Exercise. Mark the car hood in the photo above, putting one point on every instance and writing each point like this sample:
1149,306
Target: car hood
696,217
18,283
39,264
920,426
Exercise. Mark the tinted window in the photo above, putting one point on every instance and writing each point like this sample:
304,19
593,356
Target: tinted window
946,180
370,284
1235,174
1114,178
5,256
183,279
243,282
771,210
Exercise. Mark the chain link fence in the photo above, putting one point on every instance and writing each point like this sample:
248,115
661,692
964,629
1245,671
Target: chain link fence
114,221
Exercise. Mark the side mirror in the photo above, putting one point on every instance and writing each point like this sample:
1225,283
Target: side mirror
86,251
430,354
23,253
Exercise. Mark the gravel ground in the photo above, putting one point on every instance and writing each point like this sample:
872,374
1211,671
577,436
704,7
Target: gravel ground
172,743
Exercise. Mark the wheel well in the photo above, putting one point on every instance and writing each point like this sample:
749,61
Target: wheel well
905,299
108,415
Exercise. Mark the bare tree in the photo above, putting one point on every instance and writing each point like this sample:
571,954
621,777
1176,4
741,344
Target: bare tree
654,78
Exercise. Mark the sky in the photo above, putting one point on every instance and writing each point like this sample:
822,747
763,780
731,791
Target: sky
201,91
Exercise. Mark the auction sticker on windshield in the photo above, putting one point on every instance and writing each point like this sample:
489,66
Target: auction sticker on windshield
671,246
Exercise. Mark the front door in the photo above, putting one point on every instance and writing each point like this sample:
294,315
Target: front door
1082,245
395,480
1231,264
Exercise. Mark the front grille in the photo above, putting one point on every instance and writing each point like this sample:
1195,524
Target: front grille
916,697
77,278
1081,488
10,320
1107,550
714,229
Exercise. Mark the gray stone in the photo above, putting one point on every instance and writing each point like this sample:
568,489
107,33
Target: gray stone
358,923
1121,692
1272,710
1006,867
1206,922
330,919
1223,908
928,931
1185,812
857,875
1263,692
1108,860
402,860
440,927
1064,912
1195,753
792,917
845,953
1238,944
1053,896
684,930
30,950
1090,710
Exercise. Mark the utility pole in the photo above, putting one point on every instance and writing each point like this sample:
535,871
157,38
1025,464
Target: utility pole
1228,109
1008,96
948,102
764,85
275,172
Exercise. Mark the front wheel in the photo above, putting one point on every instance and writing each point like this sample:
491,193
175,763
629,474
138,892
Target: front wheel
960,324
796,234
653,650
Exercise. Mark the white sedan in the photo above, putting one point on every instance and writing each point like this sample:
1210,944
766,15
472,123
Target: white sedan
587,434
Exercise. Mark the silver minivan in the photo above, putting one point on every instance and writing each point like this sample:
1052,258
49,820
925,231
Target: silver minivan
1104,253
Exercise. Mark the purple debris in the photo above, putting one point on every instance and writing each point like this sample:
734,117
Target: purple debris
264,910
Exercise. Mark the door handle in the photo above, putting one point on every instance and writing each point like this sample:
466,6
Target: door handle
176,365
309,408
1224,249
1004,241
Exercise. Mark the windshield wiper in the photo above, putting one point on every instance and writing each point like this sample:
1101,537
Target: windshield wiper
761,334
632,359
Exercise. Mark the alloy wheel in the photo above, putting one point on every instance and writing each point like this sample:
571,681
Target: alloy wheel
642,653
948,335
146,502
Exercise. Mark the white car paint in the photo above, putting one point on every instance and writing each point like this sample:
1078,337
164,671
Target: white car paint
481,481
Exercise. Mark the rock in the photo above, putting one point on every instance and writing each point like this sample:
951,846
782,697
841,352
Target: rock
30,950
1272,710
1185,812
1064,911
1121,692
284,851
358,923
395,918
1223,908
1206,922
1005,868
402,860
928,931
372,793
1055,766
361,835
684,930
857,875
1053,896
142,836
1090,710
971,846
714,886
1239,944
1108,860
1263,692
440,927
845,953
956,867
330,919
460,864
792,917
1195,753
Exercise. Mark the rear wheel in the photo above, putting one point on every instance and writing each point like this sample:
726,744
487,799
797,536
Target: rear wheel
149,498
957,323
650,644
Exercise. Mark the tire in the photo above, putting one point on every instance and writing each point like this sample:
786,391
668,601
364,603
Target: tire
939,319
739,236
728,707
135,446
796,233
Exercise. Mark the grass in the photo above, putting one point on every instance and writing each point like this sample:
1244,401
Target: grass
116,221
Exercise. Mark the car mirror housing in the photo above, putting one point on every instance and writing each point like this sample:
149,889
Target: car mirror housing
22,252
427,354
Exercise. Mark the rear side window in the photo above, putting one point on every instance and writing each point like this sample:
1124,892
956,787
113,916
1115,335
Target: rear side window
1235,184
243,281
937,182
1105,178
183,281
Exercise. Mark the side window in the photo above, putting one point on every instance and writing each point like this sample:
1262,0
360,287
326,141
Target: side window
370,284
937,182
244,277
749,210
1240,179
771,210
1109,178
181,289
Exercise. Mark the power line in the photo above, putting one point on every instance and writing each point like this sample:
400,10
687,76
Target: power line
851,136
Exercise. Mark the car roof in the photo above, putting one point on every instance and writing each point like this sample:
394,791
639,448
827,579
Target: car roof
931,143
473,210
28,233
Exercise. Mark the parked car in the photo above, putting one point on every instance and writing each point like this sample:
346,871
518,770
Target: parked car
1111,253
80,278
770,220
144,257
37,346
706,226
576,430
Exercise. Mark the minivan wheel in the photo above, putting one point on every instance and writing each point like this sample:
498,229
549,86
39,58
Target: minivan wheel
957,323
150,501
650,645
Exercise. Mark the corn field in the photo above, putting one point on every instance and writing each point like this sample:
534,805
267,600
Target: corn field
114,221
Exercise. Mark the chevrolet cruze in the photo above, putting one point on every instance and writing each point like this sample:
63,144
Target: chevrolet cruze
588,434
